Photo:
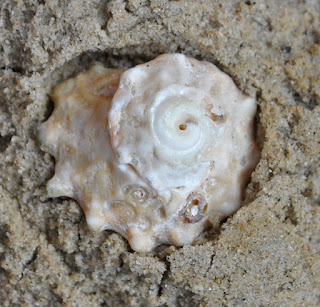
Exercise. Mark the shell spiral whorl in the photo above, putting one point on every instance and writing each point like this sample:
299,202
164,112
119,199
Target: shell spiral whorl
155,152
174,111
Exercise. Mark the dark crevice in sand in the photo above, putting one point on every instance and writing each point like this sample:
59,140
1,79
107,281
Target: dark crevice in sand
4,142
32,259
17,69
291,215
164,277
29,262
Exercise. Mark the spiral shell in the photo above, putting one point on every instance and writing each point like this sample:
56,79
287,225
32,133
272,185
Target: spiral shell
157,152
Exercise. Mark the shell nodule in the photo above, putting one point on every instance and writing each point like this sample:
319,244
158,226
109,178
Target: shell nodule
154,152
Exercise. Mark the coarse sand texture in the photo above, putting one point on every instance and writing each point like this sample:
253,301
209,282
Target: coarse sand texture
265,254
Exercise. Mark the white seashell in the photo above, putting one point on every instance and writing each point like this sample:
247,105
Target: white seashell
157,152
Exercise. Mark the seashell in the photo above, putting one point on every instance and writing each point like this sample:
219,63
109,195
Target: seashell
155,152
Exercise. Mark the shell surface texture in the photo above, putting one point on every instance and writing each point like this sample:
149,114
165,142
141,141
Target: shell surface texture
157,153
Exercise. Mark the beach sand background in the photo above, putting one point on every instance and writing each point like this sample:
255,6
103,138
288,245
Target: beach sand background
266,254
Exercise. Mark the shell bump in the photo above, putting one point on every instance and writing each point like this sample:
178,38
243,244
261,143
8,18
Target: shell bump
157,153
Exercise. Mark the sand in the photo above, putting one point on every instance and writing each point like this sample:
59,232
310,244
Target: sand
266,254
